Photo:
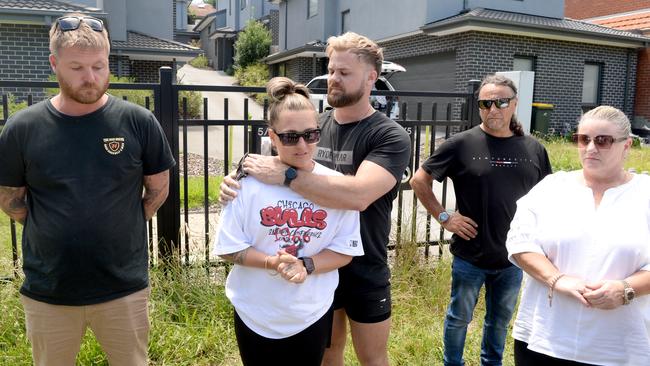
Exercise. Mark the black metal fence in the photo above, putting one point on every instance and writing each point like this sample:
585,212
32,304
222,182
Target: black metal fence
169,236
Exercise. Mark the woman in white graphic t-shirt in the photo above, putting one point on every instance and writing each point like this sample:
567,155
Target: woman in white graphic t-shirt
286,249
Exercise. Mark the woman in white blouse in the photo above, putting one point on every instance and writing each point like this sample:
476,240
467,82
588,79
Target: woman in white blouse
583,239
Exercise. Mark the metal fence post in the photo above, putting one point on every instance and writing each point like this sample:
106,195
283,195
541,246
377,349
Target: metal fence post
472,109
169,213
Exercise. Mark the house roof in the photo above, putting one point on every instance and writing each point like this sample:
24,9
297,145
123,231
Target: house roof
44,6
201,10
311,49
495,21
139,45
636,21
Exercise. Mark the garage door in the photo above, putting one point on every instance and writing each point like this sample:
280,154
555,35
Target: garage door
426,73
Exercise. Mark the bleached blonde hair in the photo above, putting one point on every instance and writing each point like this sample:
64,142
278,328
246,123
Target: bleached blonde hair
367,50
612,115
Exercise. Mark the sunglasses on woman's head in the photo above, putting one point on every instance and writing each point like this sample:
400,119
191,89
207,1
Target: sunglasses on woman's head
71,23
500,103
601,141
292,138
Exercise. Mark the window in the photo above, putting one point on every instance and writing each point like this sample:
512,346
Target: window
312,8
591,84
523,63
345,21
243,4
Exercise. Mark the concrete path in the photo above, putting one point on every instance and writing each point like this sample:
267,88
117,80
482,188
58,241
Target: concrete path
190,75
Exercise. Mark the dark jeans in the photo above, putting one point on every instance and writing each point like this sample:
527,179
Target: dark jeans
305,348
526,357
501,291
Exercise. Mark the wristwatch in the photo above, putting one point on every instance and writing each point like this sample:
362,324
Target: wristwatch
309,264
628,293
290,174
443,217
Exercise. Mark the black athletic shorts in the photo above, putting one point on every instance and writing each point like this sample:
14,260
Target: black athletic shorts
305,348
364,306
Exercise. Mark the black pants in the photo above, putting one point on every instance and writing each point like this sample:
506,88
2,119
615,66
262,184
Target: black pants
526,357
305,348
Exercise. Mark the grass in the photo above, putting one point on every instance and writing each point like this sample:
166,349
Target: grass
195,193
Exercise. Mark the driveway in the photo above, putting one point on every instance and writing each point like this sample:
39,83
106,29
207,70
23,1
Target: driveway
190,75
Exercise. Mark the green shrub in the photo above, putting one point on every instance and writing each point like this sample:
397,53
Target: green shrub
13,106
254,75
200,62
253,44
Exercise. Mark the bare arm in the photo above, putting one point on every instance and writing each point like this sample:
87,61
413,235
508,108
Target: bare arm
540,267
343,192
156,189
458,224
12,202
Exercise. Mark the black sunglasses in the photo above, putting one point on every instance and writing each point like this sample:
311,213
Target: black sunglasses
601,141
500,103
71,23
292,138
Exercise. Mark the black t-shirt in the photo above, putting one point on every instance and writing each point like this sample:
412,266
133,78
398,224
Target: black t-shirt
382,141
489,174
84,239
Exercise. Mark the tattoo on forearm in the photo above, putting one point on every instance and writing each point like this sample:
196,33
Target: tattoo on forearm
155,193
238,257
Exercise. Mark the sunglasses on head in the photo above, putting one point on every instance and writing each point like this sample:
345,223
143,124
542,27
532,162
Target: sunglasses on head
601,141
292,138
500,103
71,23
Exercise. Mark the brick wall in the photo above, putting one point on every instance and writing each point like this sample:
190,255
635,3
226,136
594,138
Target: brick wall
24,56
147,71
124,68
582,9
642,107
274,26
559,67
301,69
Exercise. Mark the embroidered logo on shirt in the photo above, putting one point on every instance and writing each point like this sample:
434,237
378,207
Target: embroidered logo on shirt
114,145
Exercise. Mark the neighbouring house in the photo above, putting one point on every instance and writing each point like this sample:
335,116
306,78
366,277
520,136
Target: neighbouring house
186,15
141,33
633,16
443,45
219,29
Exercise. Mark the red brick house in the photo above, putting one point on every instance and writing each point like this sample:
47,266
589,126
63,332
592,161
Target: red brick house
628,15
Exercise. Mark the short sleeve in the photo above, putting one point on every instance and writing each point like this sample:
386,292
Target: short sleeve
157,155
12,164
348,236
545,163
231,237
523,228
440,164
392,151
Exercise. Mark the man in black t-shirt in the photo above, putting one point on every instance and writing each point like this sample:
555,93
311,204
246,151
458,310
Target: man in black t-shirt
72,171
373,152
491,165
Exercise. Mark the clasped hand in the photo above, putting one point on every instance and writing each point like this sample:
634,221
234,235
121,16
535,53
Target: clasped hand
291,268
604,295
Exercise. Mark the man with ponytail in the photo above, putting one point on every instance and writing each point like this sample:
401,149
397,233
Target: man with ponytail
491,165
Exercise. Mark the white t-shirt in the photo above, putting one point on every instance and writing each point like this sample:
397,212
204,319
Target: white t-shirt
269,218
558,218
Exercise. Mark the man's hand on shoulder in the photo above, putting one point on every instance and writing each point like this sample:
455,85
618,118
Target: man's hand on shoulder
266,169
12,202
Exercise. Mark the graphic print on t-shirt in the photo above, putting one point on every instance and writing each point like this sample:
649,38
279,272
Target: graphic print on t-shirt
503,162
292,224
